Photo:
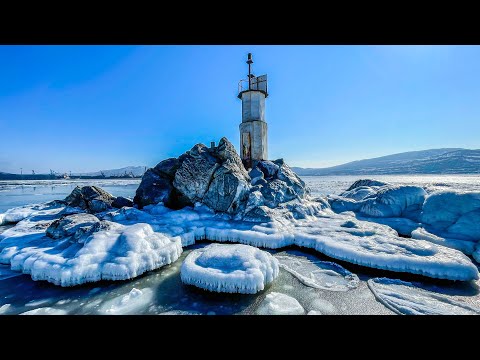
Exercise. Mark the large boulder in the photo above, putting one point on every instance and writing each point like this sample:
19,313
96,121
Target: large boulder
90,198
217,178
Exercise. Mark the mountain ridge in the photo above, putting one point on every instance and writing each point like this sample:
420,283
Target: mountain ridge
431,161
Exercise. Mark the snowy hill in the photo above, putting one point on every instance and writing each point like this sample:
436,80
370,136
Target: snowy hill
136,171
434,161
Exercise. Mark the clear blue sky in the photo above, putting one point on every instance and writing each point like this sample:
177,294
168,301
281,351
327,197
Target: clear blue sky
85,108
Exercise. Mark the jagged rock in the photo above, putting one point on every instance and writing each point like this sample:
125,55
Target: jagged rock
255,173
120,202
268,168
228,189
167,167
90,198
366,182
153,189
217,178
194,175
72,225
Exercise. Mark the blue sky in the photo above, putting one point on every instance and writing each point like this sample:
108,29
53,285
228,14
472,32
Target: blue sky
85,108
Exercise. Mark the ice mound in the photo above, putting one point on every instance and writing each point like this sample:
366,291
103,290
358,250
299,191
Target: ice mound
45,311
453,214
118,252
280,304
404,298
129,303
467,247
319,274
229,268
388,201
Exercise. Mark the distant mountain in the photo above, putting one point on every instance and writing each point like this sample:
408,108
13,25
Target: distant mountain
136,171
434,161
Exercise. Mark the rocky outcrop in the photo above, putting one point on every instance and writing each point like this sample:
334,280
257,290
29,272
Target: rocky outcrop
72,225
90,198
120,202
217,178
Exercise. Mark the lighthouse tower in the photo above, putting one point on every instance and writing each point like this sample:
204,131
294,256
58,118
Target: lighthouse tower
253,128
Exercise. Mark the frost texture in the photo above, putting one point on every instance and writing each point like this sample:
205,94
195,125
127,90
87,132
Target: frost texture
319,274
45,311
404,298
129,303
229,268
280,304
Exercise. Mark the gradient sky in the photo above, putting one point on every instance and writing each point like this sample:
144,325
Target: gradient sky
85,108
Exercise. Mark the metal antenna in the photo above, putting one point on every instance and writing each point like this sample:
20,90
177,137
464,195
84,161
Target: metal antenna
249,62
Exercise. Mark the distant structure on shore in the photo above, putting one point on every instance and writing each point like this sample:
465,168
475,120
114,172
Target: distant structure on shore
253,128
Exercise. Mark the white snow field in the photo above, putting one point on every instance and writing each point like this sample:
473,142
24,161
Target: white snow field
319,274
280,304
404,298
229,268
133,241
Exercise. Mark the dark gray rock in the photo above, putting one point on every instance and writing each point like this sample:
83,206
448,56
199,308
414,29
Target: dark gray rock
228,189
153,189
167,167
90,198
120,202
366,182
194,175
74,225
268,168
255,173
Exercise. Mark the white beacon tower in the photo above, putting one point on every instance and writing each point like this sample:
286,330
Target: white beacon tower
253,128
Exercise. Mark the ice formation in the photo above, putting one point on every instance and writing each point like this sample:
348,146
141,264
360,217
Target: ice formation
280,304
45,311
404,298
453,214
129,303
319,274
118,252
229,268
448,218
129,242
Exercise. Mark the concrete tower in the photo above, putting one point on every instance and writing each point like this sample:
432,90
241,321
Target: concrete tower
253,129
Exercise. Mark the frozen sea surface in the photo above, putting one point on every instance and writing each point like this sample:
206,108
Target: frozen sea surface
18,193
325,185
